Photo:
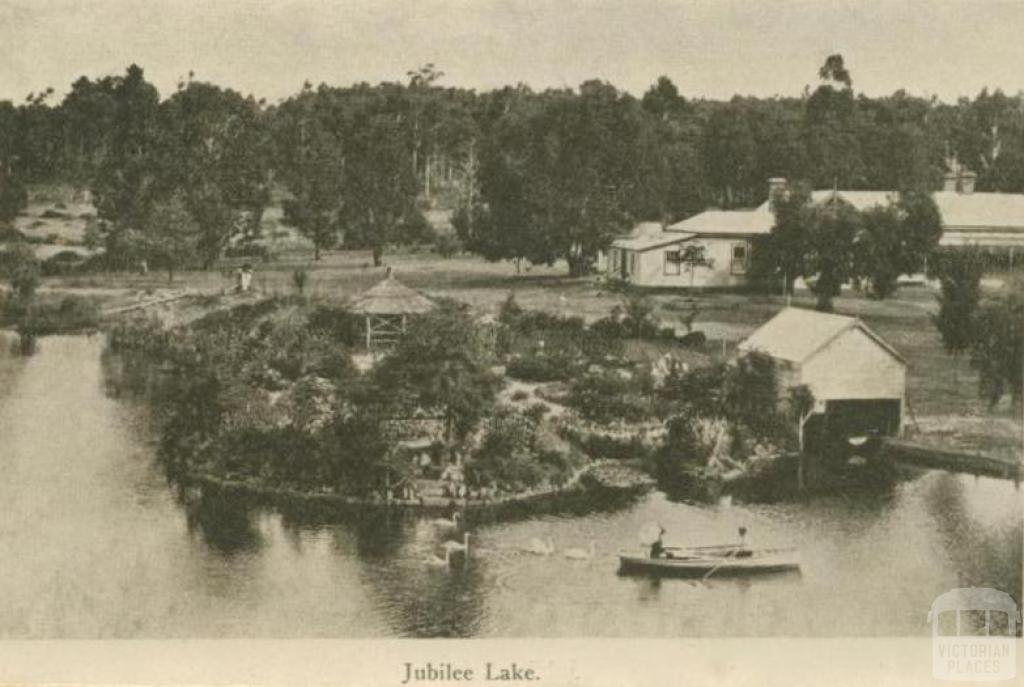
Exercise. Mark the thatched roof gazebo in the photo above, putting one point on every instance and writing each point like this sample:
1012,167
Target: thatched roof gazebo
387,306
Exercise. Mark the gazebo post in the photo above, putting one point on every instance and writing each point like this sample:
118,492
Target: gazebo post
369,333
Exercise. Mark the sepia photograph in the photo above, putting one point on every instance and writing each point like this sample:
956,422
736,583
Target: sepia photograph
513,319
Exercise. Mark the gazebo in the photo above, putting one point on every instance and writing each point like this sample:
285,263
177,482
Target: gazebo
387,307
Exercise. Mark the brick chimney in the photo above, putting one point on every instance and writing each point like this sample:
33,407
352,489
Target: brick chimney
950,181
777,187
967,180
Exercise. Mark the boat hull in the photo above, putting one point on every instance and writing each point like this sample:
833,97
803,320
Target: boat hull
697,563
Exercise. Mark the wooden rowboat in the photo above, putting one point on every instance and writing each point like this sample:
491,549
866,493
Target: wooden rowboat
705,560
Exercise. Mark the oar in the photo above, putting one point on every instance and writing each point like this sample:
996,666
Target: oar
711,572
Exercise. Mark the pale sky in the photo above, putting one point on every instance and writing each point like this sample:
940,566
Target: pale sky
708,48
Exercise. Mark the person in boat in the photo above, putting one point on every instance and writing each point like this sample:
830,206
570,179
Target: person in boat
658,547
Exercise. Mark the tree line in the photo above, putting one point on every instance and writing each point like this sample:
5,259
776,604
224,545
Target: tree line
530,175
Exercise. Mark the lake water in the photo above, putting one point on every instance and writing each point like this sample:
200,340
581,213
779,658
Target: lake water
96,544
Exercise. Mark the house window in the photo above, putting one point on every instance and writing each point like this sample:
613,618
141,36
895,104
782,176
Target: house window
739,258
672,260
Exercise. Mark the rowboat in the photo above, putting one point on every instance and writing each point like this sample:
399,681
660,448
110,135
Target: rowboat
704,560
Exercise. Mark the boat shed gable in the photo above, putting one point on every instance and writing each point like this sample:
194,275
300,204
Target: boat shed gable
796,334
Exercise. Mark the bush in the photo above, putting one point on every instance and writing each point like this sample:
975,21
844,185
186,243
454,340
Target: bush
607,397
447,245
513,454
9,234
610,327
62,263
71,314
337,323
248,250
538,368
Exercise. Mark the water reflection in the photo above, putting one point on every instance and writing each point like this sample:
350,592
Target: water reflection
107,546
226,526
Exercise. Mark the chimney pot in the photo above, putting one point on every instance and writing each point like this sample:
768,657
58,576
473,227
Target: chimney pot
776,187
967,180
950,181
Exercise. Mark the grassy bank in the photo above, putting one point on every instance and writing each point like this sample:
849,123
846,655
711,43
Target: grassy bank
942,392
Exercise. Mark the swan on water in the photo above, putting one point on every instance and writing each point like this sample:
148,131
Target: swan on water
452,550
540,548
452,523
579,554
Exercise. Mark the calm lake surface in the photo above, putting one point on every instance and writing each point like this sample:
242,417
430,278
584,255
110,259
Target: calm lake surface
95,543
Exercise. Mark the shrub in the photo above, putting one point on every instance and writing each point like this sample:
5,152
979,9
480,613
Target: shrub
300,277
338,323
248,250
513,454
447,245
520,395
607,397
71,314
609,327
537,368
62,263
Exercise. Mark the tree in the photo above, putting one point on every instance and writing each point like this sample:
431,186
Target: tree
13,196
438,365
170,235
959,272
997,349
730,155
310,161
831,230
783,253
20,268
694,256
663,100
830,118
212,147
559,175
877,250
380,186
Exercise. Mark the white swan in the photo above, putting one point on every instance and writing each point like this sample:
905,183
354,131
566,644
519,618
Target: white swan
578,554
452,523
540,548
453,550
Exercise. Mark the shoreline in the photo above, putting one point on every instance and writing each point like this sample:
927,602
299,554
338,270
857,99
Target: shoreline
494,505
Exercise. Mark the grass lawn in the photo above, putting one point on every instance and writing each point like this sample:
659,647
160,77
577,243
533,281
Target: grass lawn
942,393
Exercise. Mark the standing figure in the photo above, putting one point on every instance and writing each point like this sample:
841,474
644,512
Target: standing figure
245,278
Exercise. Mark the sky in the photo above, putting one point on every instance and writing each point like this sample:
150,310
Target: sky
709,48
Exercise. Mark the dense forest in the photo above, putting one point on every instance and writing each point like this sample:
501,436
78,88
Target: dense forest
529,175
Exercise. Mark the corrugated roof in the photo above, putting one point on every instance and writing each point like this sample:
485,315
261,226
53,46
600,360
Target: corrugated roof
996,210
980,209
390,297
644,243
861,200
733,222
795,334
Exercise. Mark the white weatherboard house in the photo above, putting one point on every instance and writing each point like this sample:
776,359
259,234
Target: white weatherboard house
858,380
712,249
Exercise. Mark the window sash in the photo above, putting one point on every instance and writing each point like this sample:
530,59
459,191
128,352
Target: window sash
671,263
739,265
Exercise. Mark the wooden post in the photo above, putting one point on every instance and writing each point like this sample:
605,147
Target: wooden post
369,333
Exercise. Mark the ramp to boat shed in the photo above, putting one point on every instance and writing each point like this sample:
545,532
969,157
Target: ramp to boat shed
924,456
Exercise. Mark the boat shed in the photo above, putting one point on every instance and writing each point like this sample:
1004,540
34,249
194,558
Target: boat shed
386,308
858,380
